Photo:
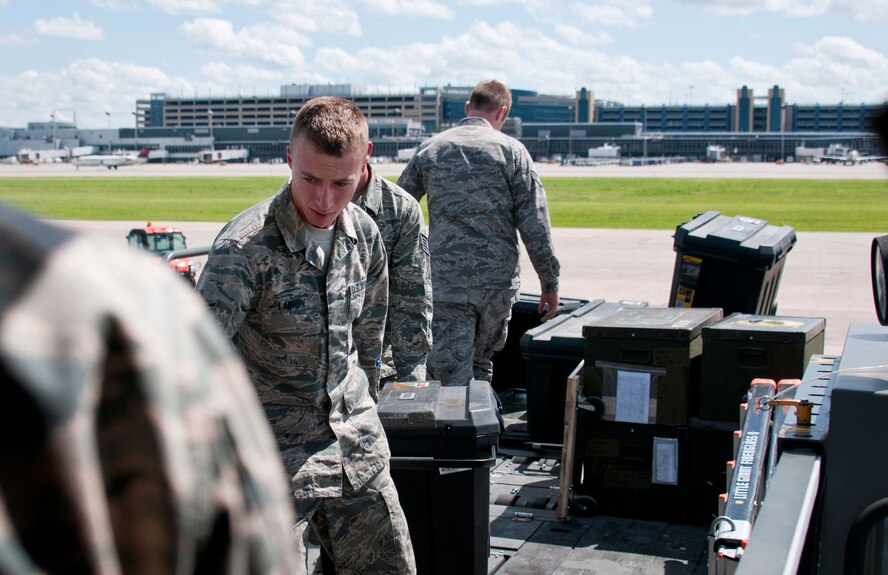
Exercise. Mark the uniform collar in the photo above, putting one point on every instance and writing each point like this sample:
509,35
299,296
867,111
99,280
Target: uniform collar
370,199
474,121
291,224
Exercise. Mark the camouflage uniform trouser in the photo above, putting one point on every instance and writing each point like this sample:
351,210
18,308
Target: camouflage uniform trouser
363,531
466,334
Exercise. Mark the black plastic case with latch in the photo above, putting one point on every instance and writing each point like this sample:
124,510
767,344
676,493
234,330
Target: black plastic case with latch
443,441
731,262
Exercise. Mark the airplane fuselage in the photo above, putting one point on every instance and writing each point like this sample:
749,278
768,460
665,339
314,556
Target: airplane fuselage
112,161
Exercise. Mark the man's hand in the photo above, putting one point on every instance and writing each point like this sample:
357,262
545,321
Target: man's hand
548,304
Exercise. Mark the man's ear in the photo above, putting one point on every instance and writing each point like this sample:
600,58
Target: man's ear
502,115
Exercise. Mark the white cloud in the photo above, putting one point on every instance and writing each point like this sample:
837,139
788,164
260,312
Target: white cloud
117,5
74,27
486,2
836,68
293,13
830,70
422,8
578,37
328,17
863,9
271,44
196,7
625,13
755,73
241,75
788,7
702,82
860,9
817,75
72,90
453,60
17,40
567,52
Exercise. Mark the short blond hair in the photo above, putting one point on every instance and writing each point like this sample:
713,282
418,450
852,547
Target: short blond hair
334,125
490,96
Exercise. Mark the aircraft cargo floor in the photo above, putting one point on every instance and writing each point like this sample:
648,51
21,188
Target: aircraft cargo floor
527,538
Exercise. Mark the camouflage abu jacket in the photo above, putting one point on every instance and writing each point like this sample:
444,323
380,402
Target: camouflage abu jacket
311,340
482,191
408,328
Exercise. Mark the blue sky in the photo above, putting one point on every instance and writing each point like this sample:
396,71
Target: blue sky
94,58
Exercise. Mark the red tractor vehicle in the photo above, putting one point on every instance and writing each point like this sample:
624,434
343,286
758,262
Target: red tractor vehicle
162,240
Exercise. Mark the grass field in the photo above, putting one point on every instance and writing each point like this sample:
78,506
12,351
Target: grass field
807,205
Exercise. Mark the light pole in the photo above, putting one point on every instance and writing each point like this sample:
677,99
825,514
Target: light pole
53,116
108,115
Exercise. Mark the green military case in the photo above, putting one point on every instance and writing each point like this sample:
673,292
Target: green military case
742,347
639,471
645,363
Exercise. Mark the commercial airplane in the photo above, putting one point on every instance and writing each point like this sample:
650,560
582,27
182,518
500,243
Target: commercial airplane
112,161
841,154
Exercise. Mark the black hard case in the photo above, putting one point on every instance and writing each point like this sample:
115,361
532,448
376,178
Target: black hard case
551,352
734,263
443,442
508,365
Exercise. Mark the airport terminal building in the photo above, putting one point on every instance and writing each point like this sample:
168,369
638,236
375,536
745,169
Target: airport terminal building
554,128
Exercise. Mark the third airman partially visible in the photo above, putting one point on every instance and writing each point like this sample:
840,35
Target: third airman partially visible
408,328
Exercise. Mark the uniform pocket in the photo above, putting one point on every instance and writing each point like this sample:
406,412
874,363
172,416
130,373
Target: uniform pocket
355,390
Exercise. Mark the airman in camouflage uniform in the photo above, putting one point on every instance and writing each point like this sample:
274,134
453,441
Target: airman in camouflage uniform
132,439
482,191
299,284
408,329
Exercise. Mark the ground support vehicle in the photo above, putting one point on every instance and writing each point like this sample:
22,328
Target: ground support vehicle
162,240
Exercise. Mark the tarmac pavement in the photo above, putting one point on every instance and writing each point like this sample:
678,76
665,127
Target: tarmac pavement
825,274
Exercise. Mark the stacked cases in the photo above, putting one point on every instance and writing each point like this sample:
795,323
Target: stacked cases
645,365
551,352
